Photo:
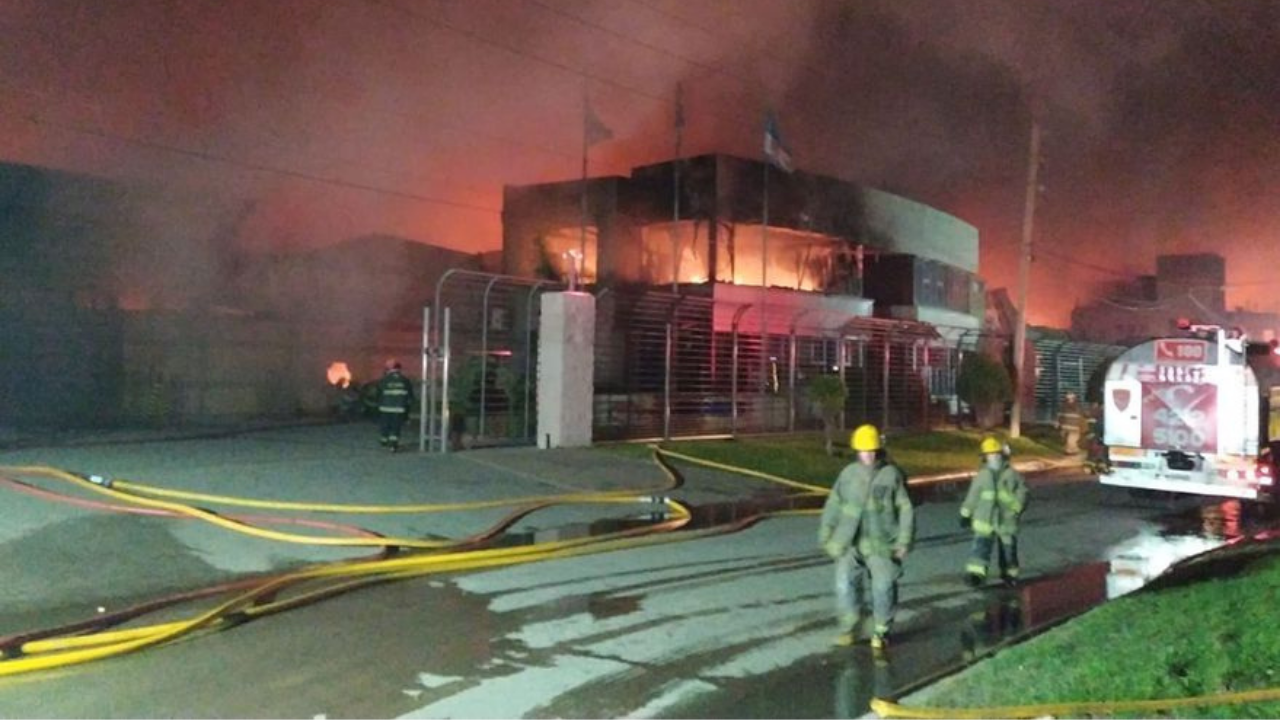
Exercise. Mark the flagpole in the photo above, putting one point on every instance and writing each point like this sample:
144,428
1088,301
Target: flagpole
764,283
582,235
675,196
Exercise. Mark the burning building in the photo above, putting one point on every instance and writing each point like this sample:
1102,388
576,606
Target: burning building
718,302
824,237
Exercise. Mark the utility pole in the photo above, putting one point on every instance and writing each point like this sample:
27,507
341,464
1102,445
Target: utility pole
1024,271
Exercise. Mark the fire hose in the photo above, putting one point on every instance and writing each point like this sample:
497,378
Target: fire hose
35,651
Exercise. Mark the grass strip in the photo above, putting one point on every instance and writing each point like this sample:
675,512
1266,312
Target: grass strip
802,457
1211,628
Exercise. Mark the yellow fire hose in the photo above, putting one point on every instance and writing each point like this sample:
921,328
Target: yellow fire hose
607,498
56,652
888,709
817,489
141,489
334,578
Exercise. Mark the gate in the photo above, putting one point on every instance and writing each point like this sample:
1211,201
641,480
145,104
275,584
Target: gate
479,359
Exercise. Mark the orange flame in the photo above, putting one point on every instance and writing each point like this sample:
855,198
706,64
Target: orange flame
339,374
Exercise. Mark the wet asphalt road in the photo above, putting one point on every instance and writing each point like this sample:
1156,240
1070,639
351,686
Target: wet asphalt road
734,626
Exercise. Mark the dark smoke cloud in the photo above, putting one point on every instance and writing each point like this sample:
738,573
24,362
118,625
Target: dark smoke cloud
335,119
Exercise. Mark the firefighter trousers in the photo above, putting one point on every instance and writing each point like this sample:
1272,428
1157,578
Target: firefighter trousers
852,572
1006,555
389,425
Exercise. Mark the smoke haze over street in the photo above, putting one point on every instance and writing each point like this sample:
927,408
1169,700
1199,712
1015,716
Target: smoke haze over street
313,121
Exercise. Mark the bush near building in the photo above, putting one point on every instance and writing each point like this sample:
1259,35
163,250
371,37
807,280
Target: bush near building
985,385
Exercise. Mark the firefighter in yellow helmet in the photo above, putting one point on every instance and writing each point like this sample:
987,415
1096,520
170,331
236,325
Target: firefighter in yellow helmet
995,501
867,526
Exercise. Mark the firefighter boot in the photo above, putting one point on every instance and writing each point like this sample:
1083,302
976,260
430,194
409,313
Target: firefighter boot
879,642
880,637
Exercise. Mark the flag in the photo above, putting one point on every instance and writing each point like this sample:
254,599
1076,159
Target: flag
594,131
774,151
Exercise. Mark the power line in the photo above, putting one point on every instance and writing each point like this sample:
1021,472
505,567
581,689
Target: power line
1134,275
1096,268
666,100
254,167
762,46
641,43
478,38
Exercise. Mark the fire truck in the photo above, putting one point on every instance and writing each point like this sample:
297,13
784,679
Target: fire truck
1188,414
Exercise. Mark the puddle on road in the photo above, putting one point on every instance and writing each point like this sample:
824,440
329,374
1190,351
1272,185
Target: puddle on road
842,682
1141,559
703,515
571,531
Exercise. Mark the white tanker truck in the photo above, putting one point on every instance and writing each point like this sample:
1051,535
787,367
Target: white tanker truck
1187,415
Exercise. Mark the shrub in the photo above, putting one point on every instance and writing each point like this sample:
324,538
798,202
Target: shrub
985,385
828,393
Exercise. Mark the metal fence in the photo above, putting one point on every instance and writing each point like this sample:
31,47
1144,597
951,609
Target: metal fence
672,365
479,358
685,365
1064,366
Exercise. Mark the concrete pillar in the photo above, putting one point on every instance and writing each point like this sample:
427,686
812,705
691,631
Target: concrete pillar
566,369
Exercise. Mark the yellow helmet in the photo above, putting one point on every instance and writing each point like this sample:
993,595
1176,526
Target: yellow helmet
865,439
990,445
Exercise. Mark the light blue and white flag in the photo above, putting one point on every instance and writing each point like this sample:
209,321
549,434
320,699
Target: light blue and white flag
774,151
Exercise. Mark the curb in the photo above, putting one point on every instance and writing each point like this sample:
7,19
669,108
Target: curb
1028,466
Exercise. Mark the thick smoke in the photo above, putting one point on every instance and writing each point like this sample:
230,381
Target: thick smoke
316,121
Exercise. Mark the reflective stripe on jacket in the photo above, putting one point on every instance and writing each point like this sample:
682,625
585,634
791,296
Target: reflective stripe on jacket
995,501
395,393
868,507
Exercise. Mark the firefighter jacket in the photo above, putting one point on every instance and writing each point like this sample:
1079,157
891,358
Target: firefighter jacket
1071,417
869,509
995,501
395,393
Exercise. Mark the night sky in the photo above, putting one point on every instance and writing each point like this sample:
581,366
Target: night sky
340,118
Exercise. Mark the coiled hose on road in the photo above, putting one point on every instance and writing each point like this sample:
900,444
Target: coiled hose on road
68,645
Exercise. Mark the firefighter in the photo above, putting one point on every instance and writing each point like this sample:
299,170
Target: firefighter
1071,423
395,398
995,501
866,527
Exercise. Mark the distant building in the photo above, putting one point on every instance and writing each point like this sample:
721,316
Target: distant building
126,304
1185,287
368,282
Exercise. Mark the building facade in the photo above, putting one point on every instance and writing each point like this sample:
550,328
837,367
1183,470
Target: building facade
719,305
823,236
1185,287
